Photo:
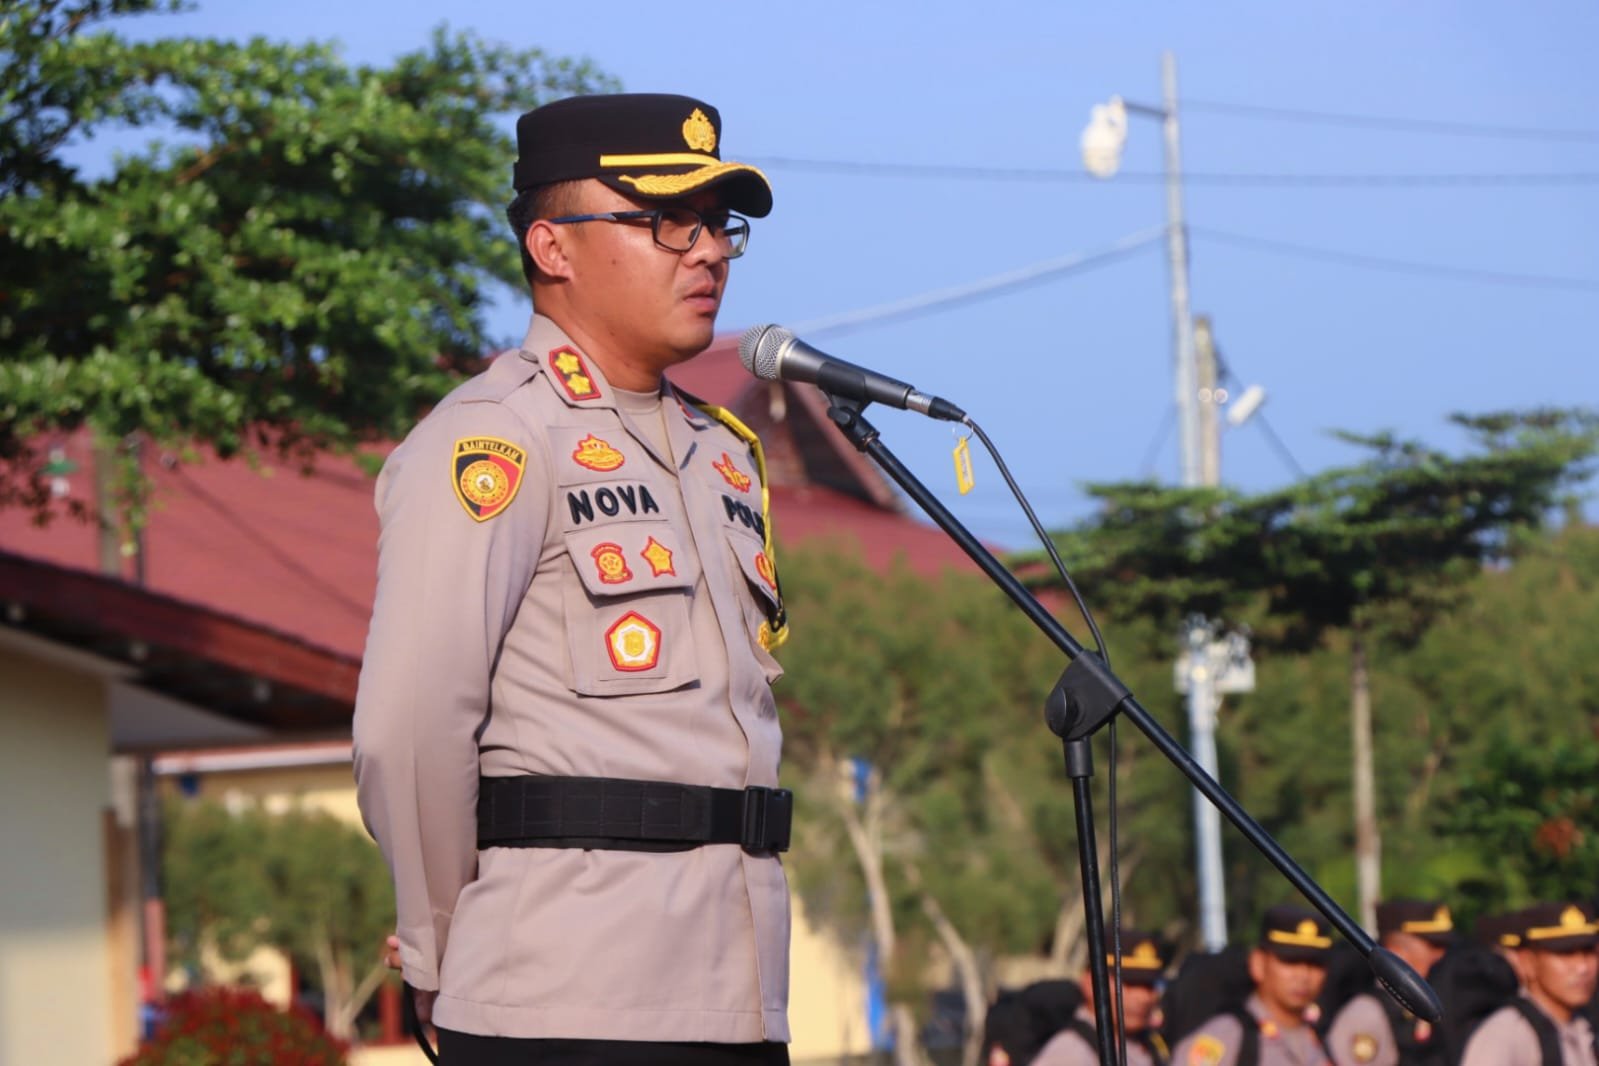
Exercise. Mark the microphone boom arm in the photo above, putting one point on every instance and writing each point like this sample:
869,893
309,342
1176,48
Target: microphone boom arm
1087,696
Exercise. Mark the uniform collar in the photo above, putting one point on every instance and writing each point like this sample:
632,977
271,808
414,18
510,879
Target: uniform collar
576,379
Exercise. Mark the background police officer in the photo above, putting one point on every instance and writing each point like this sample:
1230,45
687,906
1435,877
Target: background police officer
565,737
1545,1026
1288,966
1144,960
1373,1029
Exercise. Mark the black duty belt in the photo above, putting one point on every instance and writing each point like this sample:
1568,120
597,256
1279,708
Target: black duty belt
612,813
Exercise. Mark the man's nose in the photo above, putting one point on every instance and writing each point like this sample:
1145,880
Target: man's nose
709,246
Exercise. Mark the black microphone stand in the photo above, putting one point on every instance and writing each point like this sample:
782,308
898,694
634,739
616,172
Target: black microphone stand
1084,699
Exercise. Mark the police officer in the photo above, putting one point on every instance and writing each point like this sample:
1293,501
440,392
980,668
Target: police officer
1373,1029
565,737
1544,1026
1288,966
1144,961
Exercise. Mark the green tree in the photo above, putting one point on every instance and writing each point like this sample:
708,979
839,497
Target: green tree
302,882
892,711
1529,813
914,731
296,259
1378,548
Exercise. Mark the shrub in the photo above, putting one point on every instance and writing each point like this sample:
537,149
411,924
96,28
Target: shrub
235,1027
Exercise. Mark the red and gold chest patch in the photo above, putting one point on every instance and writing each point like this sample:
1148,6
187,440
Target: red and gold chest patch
1206,1051
763,566
633,643
596,454
612,564
573,374
486,472
659,556
732,474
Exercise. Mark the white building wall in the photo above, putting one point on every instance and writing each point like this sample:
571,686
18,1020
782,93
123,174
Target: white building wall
55,958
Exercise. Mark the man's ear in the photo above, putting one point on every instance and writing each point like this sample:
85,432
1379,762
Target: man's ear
546,244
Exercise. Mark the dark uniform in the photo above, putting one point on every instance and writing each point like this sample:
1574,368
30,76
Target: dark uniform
1373,1030
565,737
1144,961
1545,1025
1251,1036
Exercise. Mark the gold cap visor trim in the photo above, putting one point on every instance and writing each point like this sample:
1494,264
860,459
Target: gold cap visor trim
1555,932
676,184
1437,925
1297,940
1129,963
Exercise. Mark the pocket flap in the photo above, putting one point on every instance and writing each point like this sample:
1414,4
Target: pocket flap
624,558
756,564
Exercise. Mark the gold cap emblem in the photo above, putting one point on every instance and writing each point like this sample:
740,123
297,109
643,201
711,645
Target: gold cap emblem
698,133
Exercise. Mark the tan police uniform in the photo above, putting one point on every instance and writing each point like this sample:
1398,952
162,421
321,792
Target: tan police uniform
1508,1039
1370,1031
1361,1035
573,583
1216,1043
1070,1047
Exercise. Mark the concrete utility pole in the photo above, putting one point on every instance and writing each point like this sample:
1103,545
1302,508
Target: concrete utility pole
1177,258
1205,666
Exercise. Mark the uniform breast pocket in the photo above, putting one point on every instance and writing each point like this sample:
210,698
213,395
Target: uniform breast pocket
758,598
626,604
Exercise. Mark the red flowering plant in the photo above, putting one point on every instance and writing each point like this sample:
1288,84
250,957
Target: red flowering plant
220,1026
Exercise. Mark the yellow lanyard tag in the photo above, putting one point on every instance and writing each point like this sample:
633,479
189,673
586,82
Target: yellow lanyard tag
963,465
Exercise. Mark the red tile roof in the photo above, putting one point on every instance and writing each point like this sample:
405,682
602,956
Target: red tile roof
294,554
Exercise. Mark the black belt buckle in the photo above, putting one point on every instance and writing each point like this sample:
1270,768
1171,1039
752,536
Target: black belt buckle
768,818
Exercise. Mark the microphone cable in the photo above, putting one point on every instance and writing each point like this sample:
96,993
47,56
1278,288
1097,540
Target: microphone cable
1103,651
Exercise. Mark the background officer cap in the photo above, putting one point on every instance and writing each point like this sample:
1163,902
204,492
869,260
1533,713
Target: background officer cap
1558,927
1430,921
1295,934
654,146
1144,957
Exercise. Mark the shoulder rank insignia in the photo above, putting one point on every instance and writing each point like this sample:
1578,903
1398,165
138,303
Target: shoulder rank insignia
633,642
732,474
487,472
596,454
1206,1051
659,556
573,374
612,564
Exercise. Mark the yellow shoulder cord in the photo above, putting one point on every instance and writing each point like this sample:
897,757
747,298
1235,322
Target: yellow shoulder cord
775,629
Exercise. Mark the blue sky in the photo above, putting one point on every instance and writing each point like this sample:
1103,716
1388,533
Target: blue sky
1072,376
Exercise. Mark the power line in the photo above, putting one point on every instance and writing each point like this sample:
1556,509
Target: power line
1401,265
1388,122
1242,180
998,284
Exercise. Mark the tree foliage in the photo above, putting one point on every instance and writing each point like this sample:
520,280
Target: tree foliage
302,882
1486,720
297,256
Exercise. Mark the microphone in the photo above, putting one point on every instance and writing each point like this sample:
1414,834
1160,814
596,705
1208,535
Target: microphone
773,353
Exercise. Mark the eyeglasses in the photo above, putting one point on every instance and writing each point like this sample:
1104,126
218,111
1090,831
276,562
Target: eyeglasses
677,228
